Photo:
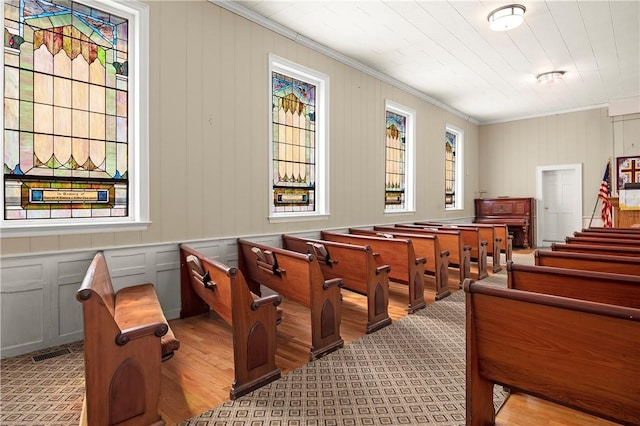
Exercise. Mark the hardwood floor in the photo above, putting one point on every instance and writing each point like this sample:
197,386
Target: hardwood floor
542,413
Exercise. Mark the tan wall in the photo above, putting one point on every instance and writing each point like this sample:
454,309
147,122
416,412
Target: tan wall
514,149
208,126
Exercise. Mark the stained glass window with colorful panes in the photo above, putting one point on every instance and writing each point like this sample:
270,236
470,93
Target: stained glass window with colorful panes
294,144
450,140
395,166
66,147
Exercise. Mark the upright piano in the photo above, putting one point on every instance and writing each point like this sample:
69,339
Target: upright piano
517,213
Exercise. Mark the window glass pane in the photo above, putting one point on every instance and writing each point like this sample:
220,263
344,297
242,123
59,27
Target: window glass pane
450,169
66,92
294,138
395,160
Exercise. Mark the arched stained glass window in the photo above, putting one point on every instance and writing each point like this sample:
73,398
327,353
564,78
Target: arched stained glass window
66,118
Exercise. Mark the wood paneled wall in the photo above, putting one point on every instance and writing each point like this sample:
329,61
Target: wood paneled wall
208,126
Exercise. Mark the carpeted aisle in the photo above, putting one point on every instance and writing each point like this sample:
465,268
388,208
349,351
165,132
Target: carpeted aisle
411,372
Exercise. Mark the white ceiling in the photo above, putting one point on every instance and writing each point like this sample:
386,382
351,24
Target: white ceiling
446,51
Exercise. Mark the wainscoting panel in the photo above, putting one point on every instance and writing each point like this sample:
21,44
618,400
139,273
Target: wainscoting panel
38,302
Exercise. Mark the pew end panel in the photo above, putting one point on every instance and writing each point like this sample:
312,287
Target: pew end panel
252,319
356,266
126,338
298,277
572,352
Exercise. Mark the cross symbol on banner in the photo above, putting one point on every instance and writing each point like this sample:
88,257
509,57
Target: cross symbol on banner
629,172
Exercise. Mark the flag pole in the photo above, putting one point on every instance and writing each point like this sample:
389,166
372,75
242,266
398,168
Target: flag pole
594,210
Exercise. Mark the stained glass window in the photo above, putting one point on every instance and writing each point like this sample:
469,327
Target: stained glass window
66,111
297,140
395,169
294,141
453,140
450,169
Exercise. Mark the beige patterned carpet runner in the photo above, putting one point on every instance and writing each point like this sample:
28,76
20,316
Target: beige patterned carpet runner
411,372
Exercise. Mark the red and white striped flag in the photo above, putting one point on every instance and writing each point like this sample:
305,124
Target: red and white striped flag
604,194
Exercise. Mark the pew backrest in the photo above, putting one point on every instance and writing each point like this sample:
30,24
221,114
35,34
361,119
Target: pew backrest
356,266
588,261
602,287
427,246
399,254
298,277
612,241
573,352
597,249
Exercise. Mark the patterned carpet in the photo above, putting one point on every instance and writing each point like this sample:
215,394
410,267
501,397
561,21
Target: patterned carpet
410,372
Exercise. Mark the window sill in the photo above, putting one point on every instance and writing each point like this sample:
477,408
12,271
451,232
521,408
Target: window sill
35,230
297,218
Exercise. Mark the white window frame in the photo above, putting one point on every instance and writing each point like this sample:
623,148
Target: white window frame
459,186
138,134
410,157
321,81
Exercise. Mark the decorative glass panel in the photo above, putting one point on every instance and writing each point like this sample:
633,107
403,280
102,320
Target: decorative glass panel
294,142
450,169
395,162
65,111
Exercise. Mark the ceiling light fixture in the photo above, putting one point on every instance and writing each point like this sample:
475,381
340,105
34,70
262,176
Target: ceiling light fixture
506,18
550,77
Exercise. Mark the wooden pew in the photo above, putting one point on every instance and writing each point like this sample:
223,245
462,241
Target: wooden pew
602,287
126,338
589,262
470,237
399,254
612,230
450,240
427,246
357,267
572,352
487,233
597,249
298,277
600,241
205,283
606,235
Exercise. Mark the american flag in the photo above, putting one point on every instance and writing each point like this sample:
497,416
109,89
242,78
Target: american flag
604,194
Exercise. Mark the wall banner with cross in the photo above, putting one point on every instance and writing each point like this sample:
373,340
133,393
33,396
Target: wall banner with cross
628,170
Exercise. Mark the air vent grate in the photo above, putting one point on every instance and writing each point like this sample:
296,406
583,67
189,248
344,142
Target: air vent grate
49,355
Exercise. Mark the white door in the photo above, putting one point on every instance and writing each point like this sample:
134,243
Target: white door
559,202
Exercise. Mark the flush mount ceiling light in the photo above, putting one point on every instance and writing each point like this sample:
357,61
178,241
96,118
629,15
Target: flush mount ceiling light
550,77
506,18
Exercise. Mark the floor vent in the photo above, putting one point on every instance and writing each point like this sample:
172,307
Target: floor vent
49,355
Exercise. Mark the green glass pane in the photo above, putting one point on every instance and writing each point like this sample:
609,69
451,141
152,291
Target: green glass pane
26,85
26,116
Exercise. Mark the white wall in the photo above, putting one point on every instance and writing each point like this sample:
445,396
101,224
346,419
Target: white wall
208,124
